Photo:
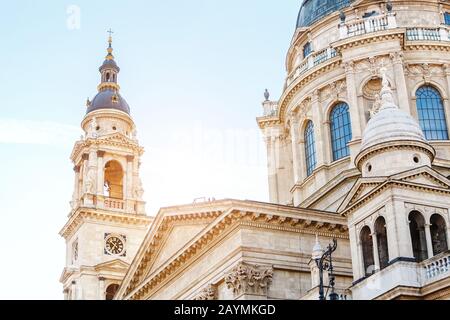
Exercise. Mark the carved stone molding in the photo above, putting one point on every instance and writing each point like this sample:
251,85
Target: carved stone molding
425,71
207,293
373,64
249,279
333,91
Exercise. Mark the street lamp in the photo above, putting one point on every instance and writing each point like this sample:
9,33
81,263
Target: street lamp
325,263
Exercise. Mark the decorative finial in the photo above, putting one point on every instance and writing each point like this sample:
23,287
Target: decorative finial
110,49
266,95
88,102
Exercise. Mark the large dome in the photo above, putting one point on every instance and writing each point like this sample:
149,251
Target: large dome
313,10
108,99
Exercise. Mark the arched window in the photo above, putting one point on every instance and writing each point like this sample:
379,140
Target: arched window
431,114
418,238
341,131
383,253
111,291
107,77
367,251
113,180
307,49
438,234
310,148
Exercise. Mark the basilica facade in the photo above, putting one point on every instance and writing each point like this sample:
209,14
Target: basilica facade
358,151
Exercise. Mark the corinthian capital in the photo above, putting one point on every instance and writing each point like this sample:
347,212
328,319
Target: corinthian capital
208,293
349,67
249,279
396,57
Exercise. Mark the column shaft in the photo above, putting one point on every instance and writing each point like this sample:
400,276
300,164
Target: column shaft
429,241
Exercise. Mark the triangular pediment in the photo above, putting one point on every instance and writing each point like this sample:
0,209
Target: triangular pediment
360,189
423,175
175,239
419,177
113,265
117,137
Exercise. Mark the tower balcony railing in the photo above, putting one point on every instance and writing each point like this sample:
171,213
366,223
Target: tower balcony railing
111,203
311,61
367,25
436,267
427,34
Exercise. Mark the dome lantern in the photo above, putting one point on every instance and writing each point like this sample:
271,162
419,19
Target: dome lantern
108,96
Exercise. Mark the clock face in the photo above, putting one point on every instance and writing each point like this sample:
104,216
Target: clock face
114,245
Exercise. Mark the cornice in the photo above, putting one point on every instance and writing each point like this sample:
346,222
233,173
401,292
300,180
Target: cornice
302,80
427,45
85,214
389,183
114,140
367,38
264,122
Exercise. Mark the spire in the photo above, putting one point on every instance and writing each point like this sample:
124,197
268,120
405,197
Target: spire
110,56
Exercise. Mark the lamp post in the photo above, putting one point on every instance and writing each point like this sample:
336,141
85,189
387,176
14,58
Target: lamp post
325,263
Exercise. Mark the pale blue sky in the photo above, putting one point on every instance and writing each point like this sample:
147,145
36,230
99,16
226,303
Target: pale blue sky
193,73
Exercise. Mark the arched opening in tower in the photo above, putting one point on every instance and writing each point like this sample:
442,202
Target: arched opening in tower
113,181
382,242
438,234
418,237
111,291
367,251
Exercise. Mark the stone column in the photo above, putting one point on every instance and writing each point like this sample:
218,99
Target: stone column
76,191
318,128
391,232
101,288
400,81
296,164
401,234
100,172
129,177
66,294
429,241
272,144
446,102
327,141
354,248
362,269
376,257
73,289
353,100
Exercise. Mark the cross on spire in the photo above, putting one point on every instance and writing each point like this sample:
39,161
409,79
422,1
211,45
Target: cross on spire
110,32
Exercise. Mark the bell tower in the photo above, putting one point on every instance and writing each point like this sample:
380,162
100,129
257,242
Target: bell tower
107,221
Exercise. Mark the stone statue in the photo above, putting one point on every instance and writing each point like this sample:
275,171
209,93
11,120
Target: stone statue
266,95
90,182
376,105
93,128
139,190
134,134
